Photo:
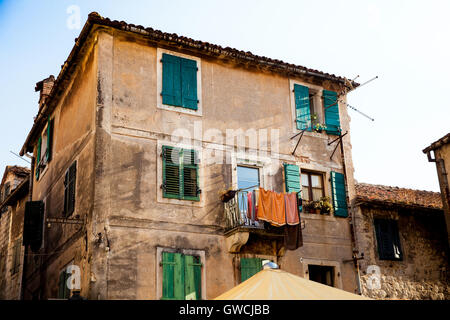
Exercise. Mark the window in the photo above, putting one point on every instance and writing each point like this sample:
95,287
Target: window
388,240
180,174
250,267
63,288
69,189
181,276
312,186
247,177
44,149
7,190
179,82
17,255
321,274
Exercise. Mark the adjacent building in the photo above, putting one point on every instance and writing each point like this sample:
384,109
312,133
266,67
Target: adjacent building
402,236
141,135
13,195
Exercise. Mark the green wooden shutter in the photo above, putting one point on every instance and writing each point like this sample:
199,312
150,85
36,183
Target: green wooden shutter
168,264
38,159
331,107
339,194
292,180
192,287
63,289
48,153
71,188
189,83
302,108
171,80
250,267
190,175
388,241
171,172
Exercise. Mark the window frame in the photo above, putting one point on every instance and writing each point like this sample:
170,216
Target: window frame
159,83
394,238
310,187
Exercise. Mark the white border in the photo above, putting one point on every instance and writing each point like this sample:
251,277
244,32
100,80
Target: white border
159,103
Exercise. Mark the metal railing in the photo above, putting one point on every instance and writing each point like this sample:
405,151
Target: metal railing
237,212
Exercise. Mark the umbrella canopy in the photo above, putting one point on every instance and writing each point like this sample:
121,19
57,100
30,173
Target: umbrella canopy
276,284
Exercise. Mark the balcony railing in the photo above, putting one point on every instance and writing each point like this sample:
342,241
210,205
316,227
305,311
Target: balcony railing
236,212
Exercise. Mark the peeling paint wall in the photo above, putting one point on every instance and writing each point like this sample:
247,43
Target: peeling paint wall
423,272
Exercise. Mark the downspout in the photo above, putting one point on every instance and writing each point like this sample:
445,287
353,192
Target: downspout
25,254
352,226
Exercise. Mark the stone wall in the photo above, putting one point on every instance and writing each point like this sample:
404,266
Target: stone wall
423,271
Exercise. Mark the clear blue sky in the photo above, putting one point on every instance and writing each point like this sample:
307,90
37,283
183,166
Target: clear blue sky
405,43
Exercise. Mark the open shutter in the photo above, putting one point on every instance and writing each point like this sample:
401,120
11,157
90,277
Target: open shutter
189,83
339,194
331,107
250,267
48,153
171,172
171,80
190,188
292,180
302,109
192,288
38,158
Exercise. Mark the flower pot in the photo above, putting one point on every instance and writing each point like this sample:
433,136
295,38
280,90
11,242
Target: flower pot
317,211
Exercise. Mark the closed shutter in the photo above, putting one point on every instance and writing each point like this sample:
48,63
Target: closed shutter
38,158
63,289
180,174
388,241
33,224
48,153
339,194
192,278
189,83
302,108
173,276
171,80
69,189
331,107
250,267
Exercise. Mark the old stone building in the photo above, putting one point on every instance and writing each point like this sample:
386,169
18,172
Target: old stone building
13,195
402,236
145,220
439,152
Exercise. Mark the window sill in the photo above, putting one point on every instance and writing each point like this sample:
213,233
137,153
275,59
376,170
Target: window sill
192,112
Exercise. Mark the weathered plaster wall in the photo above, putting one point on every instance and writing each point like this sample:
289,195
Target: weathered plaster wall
134,221
73,140
423,272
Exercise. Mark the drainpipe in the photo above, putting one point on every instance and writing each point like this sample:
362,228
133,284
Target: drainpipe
25,254
352,227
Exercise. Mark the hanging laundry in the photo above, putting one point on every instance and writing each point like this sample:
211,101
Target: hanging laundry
249,204
293,237
271,207
291,208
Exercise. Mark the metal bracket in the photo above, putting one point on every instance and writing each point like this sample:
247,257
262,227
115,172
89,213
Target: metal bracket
337,145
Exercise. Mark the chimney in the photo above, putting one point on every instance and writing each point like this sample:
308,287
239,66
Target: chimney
44,87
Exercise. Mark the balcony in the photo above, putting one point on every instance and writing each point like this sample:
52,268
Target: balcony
240,224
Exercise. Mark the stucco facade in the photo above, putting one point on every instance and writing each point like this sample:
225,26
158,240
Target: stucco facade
109,118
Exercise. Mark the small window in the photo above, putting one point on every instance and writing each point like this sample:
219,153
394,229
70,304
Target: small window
321,274
312,186
388,239
44,149
69,189
180,174
247,177
181,276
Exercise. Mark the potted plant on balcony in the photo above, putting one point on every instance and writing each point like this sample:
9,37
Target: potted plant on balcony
317,206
